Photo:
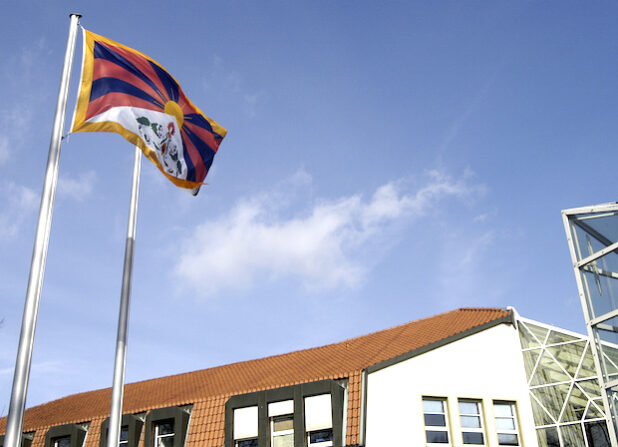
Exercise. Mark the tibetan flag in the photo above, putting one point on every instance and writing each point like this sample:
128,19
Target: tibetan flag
125,91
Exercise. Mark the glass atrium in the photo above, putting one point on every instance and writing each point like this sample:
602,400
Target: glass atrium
564,390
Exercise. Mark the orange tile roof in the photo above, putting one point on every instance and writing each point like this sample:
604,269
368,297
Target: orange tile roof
209,389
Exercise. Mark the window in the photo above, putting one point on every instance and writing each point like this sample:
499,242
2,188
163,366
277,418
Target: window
281,421
282,431
124,436
436,426
321,438
130,431
319,421
471,418
166,427
506,423
164,433
68,435
247,443
64,441
246,427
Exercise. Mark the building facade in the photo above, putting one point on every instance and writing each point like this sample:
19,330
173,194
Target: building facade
483,377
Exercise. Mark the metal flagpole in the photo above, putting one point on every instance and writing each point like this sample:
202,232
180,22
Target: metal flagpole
23,362
115,419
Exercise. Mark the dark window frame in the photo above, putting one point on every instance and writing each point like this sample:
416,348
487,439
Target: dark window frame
75,432
297,393
135,425
181,424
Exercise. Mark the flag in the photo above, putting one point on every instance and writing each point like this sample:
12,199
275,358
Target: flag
127,92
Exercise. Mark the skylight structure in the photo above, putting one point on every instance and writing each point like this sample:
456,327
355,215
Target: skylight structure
592,233
564,388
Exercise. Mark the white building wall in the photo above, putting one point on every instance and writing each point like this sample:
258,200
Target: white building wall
487,366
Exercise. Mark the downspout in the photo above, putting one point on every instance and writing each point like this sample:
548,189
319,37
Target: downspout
363,409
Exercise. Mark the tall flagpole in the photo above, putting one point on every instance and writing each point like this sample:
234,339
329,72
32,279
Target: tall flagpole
115,419
23,362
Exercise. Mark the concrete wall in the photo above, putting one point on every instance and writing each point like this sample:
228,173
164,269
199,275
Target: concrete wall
486,366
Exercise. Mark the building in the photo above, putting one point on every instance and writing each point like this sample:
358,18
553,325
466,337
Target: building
466,377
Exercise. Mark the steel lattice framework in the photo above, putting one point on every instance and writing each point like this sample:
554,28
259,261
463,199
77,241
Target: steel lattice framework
592,233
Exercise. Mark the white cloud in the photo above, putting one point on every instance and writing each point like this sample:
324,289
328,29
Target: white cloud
77,188
222,78
16,203
322,248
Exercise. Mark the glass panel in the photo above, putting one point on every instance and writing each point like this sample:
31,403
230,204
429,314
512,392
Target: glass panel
572,435
503,410
124,433
590,387
167,441
587,368
548,437
597,434
433,406
466,407
608,332
576,406
321,436
505,423
612,353
539,332
594,412
247,443
600,287
611,361
530,358
541,417
560,337
166,428
437,437
284,441
552,398
525,337
568,356
507,439
473,438
548,371
63,442
471,421
585,241
603,223
435,420
283,423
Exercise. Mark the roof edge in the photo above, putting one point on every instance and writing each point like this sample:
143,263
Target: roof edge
507,319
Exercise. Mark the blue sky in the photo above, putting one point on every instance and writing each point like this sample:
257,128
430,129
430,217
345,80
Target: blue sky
383,163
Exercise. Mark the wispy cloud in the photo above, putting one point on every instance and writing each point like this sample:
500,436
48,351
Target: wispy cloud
45,367
77,188
224,79
464,270
459,122
322,247
20,73
17,202
4,150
